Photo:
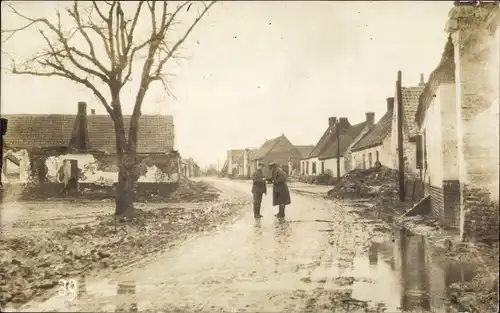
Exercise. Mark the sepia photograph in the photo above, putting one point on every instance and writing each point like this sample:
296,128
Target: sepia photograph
250,156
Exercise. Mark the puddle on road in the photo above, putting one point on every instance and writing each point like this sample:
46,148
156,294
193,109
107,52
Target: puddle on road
285,261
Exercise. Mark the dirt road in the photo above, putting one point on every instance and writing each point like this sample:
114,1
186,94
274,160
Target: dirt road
321,257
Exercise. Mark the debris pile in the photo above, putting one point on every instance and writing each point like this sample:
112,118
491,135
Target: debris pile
191,191
30,266
372,182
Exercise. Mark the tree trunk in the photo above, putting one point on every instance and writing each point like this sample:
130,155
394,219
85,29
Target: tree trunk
125,191
124,200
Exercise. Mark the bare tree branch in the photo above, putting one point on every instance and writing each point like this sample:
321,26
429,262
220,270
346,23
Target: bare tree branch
76,16
158,72
105,25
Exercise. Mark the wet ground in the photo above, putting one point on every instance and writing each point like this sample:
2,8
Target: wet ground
319,258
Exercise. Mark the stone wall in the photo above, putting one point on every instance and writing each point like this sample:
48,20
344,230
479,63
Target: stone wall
480,215
451,203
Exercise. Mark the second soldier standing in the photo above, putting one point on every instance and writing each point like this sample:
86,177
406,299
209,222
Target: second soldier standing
258,189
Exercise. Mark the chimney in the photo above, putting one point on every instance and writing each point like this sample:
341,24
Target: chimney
422,83
82,107
344,123
80,136
390,104
370,118
92,111
332,121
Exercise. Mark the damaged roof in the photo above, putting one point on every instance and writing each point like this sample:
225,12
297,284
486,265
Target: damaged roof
377,134
346,137
30,131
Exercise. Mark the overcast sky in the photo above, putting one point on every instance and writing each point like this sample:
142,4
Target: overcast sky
260,69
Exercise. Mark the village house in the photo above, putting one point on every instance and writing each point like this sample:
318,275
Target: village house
340,150
235,162
239,160
410,99
189,168
279,150
310,165
305,151
458,115
376,144
84,145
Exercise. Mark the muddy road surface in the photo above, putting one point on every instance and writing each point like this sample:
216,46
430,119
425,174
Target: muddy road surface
320,258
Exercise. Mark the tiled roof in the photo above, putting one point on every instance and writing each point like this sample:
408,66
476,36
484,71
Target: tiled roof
377,134
327,137
305,150
444,73
346,136
156,132
267,153
411,96
39,131
265,148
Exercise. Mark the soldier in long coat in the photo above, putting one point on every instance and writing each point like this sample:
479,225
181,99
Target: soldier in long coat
258,189
281,194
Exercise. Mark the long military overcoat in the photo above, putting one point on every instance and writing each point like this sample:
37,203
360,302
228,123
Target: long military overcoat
281,194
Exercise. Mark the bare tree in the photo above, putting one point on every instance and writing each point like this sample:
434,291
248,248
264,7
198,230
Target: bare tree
105,27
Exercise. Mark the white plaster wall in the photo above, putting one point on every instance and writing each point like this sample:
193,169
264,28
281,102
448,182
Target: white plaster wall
23,169
486,123
479,144
318,166
11,168
331,164
433,127
88,164
446,95
385,155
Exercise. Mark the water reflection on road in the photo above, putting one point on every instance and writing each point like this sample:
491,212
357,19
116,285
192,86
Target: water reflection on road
315,259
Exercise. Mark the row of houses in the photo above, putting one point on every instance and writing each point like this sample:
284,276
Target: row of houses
450,127
37,146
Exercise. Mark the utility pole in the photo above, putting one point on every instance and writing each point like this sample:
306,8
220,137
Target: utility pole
399,95
338,150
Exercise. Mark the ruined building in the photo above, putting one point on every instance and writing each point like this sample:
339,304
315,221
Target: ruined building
43,147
